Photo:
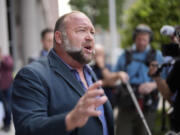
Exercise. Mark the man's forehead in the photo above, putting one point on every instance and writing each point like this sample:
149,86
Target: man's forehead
143,33
78,19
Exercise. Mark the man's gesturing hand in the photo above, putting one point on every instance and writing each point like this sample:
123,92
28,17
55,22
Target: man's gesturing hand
86,107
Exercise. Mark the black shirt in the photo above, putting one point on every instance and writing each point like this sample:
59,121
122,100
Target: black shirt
173,81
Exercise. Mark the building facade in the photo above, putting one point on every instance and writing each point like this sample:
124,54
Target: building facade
21,22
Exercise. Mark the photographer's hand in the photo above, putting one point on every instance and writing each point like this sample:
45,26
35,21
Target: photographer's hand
124,77
147,88
153,69
162,86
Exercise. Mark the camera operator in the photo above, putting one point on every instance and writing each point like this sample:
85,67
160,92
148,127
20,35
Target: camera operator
135,63
170,88
170,50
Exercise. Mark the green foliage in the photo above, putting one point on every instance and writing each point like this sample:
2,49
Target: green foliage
157,128
97,10
154,13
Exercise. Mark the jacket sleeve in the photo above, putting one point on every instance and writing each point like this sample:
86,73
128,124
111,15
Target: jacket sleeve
30,107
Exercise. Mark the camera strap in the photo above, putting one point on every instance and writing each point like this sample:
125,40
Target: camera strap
150,56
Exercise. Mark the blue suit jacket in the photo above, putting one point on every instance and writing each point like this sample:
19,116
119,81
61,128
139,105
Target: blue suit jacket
43,93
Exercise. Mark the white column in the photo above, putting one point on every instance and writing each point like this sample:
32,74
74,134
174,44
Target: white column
30,33
113,30
4,41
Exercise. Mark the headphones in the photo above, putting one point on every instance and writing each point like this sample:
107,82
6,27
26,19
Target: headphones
142,28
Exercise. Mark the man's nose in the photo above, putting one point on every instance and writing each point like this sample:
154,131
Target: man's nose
89,36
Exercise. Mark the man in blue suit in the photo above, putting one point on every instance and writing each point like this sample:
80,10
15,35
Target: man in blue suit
58,94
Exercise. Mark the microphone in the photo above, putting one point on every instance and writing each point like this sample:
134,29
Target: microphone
167,30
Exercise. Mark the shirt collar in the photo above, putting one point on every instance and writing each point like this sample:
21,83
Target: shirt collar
44,53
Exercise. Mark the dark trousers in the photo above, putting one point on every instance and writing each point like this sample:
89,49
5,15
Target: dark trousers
5,97
129,122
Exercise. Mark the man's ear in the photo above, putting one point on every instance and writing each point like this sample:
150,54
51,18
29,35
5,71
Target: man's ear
58,37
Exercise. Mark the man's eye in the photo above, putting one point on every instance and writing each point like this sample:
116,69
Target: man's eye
82,30
92,32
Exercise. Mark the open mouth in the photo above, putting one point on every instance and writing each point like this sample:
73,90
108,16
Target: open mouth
88,49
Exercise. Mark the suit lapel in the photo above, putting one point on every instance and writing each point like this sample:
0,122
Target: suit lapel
61,69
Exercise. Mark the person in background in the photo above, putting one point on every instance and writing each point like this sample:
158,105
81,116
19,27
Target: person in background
104,73
59,94
6,79
170,86
167,49
47,41
135,62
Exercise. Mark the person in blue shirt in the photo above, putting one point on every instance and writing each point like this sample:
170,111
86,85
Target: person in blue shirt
135,63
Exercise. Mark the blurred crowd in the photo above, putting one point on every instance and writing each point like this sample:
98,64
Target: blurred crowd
133,67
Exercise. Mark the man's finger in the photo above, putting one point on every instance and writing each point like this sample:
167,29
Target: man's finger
94,93
93,113
96,85
100,101
95,101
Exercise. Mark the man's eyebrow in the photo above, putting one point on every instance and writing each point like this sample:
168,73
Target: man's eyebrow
84,27
81,27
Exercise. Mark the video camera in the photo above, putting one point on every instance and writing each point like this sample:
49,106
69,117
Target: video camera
171,49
